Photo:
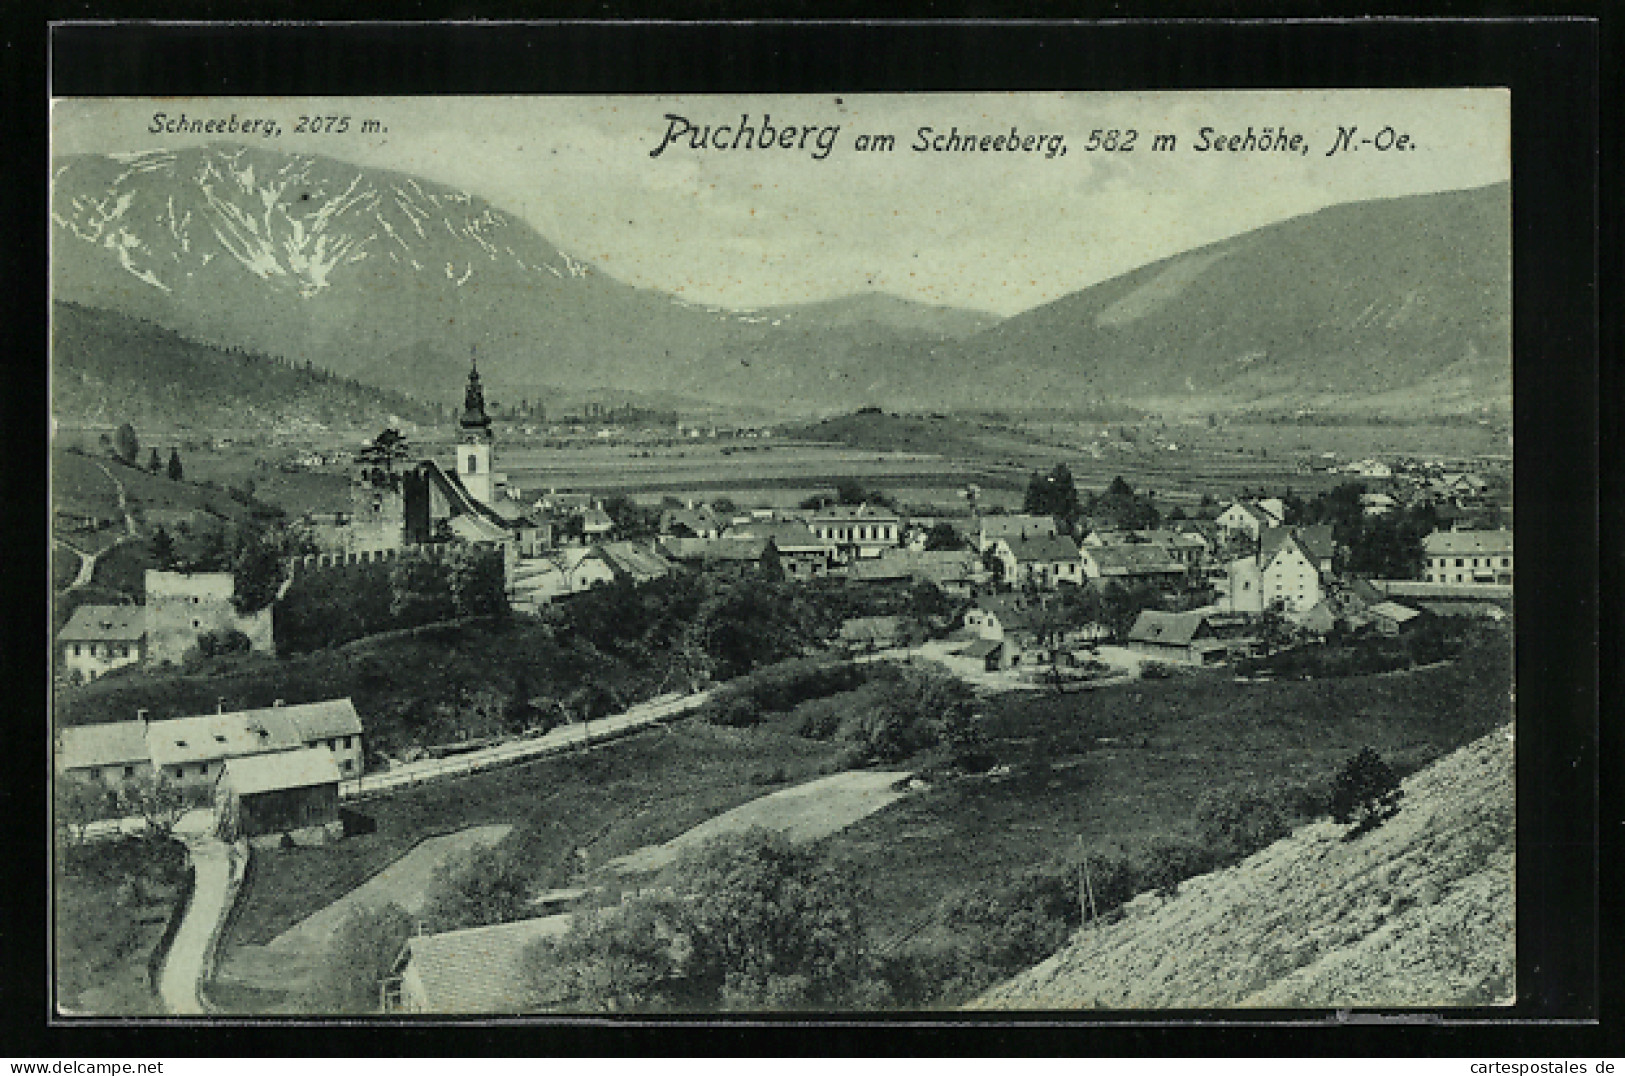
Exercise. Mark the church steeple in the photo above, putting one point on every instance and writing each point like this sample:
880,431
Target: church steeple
475,422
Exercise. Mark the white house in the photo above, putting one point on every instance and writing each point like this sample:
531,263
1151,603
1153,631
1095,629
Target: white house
989,529
866,529
1046,562
1249,518
100,638
1469,558
1291,568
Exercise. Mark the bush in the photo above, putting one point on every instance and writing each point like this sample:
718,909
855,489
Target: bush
1155,670
1365,792
1239,823
212,644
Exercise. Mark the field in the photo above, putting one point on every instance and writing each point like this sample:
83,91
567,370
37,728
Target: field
1124,764
568,815
1110,768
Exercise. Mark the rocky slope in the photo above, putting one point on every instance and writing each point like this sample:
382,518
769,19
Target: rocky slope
1418,912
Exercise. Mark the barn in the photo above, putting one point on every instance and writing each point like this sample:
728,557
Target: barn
293,794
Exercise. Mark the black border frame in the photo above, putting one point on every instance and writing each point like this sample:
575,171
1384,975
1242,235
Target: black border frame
1552,66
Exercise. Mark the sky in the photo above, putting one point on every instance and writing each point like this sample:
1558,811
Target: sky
1000,232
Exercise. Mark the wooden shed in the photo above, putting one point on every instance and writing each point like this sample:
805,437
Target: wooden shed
292,793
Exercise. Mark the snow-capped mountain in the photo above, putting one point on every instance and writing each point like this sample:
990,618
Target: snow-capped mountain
392,280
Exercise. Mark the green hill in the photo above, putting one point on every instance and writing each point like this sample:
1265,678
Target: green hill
108,368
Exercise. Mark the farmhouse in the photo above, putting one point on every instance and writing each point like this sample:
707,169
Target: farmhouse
1469,558
1187,547
100,638
699,522
292,794
1198,637
1250,517
1122,563
989,529
191,751
801,553
737,554
1045,562
481,970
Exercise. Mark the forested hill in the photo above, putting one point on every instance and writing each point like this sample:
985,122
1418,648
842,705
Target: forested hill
108,369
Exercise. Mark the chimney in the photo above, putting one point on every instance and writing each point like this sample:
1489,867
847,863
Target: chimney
141,716
278,702
219,704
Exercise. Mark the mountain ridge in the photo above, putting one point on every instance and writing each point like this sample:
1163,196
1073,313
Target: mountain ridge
372,274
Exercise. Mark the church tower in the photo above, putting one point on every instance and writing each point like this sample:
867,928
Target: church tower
474,452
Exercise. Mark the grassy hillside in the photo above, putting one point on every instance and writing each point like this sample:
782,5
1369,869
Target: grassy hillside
1418,912
109,368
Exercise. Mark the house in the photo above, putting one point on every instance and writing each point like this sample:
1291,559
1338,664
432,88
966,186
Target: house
284,794
738,555
596,523
190,752
1197,637
109,754
863,530
801,554
699,522
1245,518
1377,504
989,529
870,633
1291,567
633,562
1126,563
1187,547
1045,562
477,971
1318,619
180,606
1392,618
100,638
1018,624
1469,558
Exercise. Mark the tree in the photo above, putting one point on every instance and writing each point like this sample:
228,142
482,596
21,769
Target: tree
477,582
1366,792
751,923
943,536
176,471
79,802
479,887
223,641
633,523
849,491
258,569
156,799
126,445
380,456
1054,494
154,464
357,958
163,548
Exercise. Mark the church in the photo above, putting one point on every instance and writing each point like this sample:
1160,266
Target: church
429,504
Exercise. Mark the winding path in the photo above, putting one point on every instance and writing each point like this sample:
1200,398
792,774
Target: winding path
184,968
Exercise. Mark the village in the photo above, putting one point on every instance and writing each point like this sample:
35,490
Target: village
1077,592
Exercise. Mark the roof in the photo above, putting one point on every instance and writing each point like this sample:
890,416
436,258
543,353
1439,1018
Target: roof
1262,515
319,720
1468,543
695,519
236,733
786,537
844,512
1156,626
278,770
1462,608
878,569
1012,610
1393,611
596,519
1133,559
713,548
641,564
981,648
1411,588
1314,542
112,744
994,527
216,736
481,969
468,507
105,623
1045,549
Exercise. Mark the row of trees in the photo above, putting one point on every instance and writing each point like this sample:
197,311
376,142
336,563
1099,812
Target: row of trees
124,445
1117,507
